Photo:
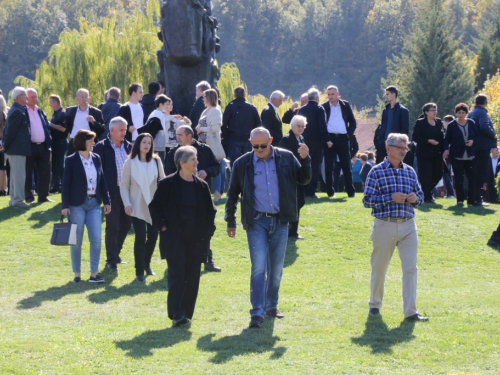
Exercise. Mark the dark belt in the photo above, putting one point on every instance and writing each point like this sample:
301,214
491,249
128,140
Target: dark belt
90,196
338,134
395,219
267,214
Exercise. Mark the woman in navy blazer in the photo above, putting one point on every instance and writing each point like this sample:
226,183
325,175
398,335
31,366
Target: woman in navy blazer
83,191
459,146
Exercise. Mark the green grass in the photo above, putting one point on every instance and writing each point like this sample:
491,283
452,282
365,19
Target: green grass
50,325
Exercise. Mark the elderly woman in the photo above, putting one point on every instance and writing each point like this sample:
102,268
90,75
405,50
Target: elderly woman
140,176
428,135
209,132
459,147
83,191
291,142
183,211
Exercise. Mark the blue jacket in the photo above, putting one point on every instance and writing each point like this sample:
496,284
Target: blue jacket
17,132
454,139
487,136
74,186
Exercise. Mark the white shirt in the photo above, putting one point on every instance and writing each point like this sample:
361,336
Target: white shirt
137,118
160,139
80,121
336,123
494,163
91,173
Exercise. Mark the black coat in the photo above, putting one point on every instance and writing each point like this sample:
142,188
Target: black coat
315,131
238,120
46,128
97,127
17,133
195,114
272,122
206,159
400,124
454,139
148,104
126,113
289,142
422,132
347,115
165,211
288,115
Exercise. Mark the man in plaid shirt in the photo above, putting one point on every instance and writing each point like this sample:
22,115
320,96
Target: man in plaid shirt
391,191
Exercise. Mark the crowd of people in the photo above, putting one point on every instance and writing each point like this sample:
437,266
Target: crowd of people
156,170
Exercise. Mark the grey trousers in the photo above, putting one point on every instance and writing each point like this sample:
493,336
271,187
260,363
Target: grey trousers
17,178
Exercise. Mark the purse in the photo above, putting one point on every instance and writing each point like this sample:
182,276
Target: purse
63,234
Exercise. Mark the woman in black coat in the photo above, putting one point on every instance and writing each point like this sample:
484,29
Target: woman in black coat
183,211
428,135
460,148
291,142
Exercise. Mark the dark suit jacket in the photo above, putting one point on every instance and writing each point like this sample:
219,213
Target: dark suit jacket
17,133
107,155
195,114
347,115
289,142
272,122
454,139
400,124
315,131
46,128
74,186
97,127
126,113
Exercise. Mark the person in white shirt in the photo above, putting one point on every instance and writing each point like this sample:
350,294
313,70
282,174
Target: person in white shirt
133,112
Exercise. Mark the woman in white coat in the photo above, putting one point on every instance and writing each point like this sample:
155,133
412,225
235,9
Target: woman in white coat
140,176
209,128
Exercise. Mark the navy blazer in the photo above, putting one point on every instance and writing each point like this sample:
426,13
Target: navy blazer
315,131
272,122
454,139
347,115
46,127
74,186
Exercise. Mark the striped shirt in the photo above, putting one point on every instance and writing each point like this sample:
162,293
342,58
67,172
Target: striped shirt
383,181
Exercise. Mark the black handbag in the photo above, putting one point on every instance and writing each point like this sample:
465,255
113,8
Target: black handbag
63,234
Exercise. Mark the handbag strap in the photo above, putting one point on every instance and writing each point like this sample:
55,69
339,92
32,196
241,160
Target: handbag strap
62,219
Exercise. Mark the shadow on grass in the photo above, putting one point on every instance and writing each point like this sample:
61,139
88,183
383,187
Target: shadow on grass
325,199
291,254
427,207
249,341
8,212
381,338
42,218
461,210
144,344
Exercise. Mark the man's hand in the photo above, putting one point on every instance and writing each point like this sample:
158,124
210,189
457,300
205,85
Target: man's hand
131,129
231,232
163,228
433,142
128,210
329,144
445,154
107,209
469,143
91,119
294,105
202,174
303,150
411,198
399,197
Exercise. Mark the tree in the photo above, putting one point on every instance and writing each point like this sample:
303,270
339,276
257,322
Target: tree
483,64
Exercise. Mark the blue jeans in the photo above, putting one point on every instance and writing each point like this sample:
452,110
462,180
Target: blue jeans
448,182
88,214
236,149
220,180
267,242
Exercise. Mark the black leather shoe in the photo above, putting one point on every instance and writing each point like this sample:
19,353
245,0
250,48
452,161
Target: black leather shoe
179,321
140,278
351,195
150,272
275,314
295,237
417,318
112,267
256,322
374,311
211,267
122,261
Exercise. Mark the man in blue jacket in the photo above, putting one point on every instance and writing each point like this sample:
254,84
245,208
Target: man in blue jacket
486,141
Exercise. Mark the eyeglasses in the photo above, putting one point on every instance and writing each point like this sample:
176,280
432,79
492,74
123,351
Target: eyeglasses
256,147
406,149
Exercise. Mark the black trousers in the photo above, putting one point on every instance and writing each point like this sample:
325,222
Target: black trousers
483,162
316,154
40,158
430,171
71,148
340,148
293,226
117,226
468,168
381,154
59,148
183,283
144,244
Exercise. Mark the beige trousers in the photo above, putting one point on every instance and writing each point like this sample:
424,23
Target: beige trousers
386,236
17,178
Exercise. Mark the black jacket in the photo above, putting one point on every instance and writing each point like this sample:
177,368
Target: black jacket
74,185
126,113
165,211
272,122
107,154
195,114
422,132
290,172
454,139
17,132
206,159
400,124
288,115
97,127
289,142
238,120
315,131
46,128
347,115
148,104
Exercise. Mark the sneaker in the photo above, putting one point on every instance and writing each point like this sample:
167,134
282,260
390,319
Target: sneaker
450,197
96,279
256,321
77,279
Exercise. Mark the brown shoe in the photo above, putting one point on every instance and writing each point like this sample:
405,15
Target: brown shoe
275,314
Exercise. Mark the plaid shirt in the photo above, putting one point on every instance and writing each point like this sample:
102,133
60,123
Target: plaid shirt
120,157
384,180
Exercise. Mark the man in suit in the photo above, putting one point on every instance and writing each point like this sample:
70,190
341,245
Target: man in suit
110,108
198,106
83,116
113,152
59,135
17,146
341,125
315,136
133,112
270,119
292,111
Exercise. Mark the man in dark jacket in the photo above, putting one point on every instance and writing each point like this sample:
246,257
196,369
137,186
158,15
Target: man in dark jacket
148,100
395,119
110,108
59,135
113,152
208,167
315,136
341,124
133,112
238,121
17,146
486,141
198,106
267,181
270,119
294,109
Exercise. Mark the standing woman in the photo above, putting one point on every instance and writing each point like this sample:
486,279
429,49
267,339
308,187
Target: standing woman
208,130
428,134
3,171
459,147
83,191
291,142
183,211
141,172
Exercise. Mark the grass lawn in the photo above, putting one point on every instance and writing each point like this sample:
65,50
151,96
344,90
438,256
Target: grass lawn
50,325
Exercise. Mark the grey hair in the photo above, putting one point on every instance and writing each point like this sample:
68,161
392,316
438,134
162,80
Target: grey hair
17,91
203,85
82,90
313,94
394,138
3,105
182,155
118,120
298,119
31,89
260,129
187,129
276,94
332,87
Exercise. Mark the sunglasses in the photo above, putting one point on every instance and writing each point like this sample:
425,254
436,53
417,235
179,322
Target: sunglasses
256,147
